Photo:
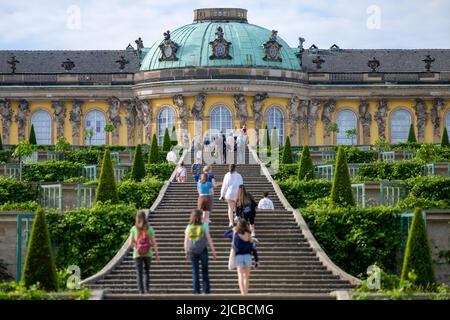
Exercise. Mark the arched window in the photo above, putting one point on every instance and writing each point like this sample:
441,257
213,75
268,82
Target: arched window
42,123
346,120
221,119
275,119
95,121
400,123
447,122
166,119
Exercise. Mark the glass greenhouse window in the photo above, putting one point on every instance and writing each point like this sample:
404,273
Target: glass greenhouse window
345,120
399,125
42,123
221,119
275,118
96,121
166,119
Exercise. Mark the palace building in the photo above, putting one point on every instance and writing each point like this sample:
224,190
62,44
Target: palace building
224,72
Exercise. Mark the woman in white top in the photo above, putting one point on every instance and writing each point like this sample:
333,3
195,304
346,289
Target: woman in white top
230,187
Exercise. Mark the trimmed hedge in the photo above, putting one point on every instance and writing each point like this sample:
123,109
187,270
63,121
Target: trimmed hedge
341,191
383,170
153,156
5,156
355,155
106,189
287,156
356,238
445,142
286,171
84,156
161,171
50,170
301,193
306,167
140,194
412,135
32,137
138,169
90,238
167,144
431,188
12,190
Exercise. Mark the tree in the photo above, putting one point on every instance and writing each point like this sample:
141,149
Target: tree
305,168
32,137
88,134
173,137
166,141
107,189
341,191
351,134
412,135
417,259
444,141
23,149
109,128
288,157
39,264
62,145
138,169
154,151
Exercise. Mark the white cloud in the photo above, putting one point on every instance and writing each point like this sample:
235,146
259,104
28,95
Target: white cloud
112,24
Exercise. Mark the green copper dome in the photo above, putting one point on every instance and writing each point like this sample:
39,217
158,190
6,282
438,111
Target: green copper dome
194,48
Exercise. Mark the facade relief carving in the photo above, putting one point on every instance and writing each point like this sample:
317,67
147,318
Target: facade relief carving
139,120
380,117
366,120
21,118
313,116
59,112
421,117
130,119
258,102
303,119
328,108
438,105
198,107
114,117
294,115
240,103
7,113
147,115
75,119
183,112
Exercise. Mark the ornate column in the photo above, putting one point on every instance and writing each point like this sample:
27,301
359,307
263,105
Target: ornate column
59,108
23,111
313,116
438,105
183,113
303,118
240,103
421,116
6,112
258,102
380,117
130,119
75,119
366,120
146,107
293,107
114,117
328,109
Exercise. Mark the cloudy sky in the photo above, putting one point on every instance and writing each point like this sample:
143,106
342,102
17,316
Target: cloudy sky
112,24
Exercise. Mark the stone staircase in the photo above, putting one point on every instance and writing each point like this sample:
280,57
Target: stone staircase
289,265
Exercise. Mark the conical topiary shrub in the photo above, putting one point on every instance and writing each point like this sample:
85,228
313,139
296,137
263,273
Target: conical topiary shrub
412,134
107,189
341,191
166,141
266,139
154,151
306,168
288,157
138,169
1,143
173,137
444,141
417,257
39,264
274,141
32,137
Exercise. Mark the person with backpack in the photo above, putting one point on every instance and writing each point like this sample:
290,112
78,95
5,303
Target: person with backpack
142,239
230,186
196,240
243,247
246,207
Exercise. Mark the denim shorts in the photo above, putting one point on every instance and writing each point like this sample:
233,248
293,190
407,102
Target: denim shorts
244,259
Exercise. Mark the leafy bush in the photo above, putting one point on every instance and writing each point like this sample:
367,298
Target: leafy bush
19,206
142,194
111,147
32,137
412,202
429,153
106,189
383,170
154,151
84,156
39,267
161,171
13,190
306,167
300,193
287,156
431,188
355,155
4,274
412,134
406,146
286,171
417,257
138,169
90,238
357,238
5,156
50,170
13,291
341,191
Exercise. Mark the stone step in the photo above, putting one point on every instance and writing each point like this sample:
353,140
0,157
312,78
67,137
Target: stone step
218,275
275,289
224,296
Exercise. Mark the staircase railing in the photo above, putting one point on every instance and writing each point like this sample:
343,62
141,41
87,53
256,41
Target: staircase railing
323,257
121,254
